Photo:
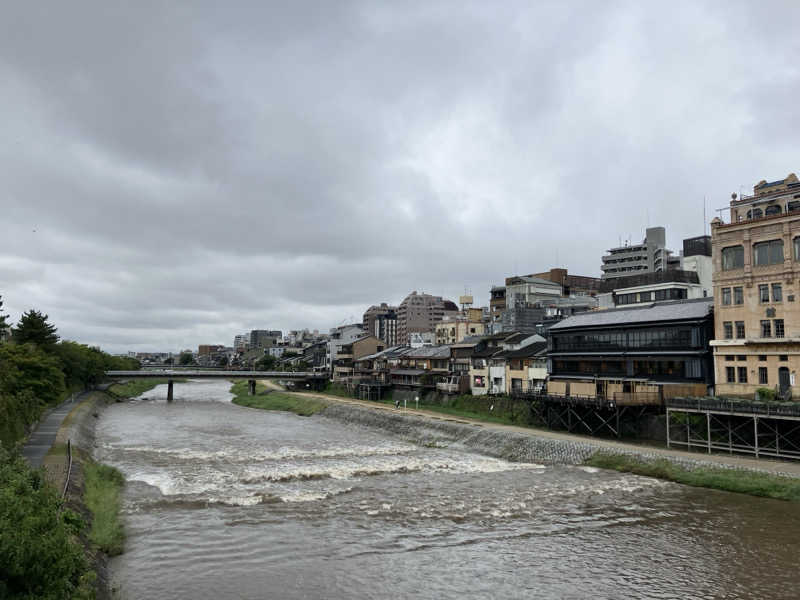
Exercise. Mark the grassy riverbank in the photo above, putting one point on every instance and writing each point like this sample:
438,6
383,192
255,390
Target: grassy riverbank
137,387
103,496
729,480
271,400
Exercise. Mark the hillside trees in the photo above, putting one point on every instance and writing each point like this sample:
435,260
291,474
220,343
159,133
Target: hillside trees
34,328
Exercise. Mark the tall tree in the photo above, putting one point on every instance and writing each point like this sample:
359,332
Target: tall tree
4,327
186,358
34,328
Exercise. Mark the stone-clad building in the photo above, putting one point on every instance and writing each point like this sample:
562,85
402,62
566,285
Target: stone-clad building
757,291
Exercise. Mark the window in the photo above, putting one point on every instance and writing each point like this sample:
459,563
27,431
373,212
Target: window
762,375
763,293
783,358
797,248
732,258
778,328
479,382
742,374
777,292
740,329
773,209
730,374
741,358
768,253
766,329
762,357
726,296
738,295
729,358
727,327
645,296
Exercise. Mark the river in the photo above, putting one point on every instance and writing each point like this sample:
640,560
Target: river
229,502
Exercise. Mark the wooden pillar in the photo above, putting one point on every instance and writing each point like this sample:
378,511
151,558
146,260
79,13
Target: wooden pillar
169,390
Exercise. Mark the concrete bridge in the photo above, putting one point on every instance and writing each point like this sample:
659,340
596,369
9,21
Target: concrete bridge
314,380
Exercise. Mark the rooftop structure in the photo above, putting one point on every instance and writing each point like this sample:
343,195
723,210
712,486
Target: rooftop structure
651,255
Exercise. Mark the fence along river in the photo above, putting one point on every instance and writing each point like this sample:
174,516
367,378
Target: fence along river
228,502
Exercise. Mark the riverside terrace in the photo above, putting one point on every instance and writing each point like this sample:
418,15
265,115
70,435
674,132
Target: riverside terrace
313,380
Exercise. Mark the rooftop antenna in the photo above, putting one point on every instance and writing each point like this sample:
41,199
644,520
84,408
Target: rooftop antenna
705,224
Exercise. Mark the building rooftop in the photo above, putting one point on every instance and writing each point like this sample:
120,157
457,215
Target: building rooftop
527,351
648,313
629,281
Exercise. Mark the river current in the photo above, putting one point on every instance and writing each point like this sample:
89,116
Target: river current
229,502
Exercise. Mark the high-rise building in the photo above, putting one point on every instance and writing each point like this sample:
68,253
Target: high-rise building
756,278
381,321
241,342
419,313
649,256
262,338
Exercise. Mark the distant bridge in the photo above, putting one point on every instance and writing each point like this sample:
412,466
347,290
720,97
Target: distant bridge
312,379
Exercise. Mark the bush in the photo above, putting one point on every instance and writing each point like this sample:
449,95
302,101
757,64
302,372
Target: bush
39,557
766,394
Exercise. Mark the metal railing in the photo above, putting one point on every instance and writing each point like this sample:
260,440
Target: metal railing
736,406
69,469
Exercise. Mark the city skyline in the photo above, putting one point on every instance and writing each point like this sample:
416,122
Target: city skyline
288,167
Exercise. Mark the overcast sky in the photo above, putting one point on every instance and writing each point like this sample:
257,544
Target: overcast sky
177,173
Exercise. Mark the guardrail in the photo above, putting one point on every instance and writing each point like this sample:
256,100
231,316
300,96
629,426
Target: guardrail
69,469
736,406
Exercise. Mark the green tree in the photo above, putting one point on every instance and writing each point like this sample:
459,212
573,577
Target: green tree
223,361
4,327
25,367
185,358
39,557
266,363
34,328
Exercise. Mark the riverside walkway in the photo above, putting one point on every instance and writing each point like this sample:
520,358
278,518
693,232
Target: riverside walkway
43,437
785,468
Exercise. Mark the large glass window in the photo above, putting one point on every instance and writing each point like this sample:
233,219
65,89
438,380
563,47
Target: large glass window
738,295
763,293
730,374
732,258
740,329
727,328
766,329
777,292
779,328
726,296
773,209
742,374
762,375
768,253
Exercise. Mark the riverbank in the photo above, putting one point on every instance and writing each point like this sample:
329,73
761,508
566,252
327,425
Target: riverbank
742,482
268,398
93,492
524,444
137,387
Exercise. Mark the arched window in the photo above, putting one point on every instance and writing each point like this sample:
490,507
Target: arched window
773,209
757,213
732,258
768,253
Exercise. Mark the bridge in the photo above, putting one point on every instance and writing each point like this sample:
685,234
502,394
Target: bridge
311,378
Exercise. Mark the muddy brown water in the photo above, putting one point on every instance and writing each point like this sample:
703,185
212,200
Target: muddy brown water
229,502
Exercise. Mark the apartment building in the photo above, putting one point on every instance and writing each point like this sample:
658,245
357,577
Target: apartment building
649,256
419,313
572,285
381,321
756,265
454,329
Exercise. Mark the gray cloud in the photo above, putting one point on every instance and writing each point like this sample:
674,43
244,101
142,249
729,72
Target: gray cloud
176,173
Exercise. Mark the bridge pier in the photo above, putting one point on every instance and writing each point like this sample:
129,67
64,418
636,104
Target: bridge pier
251,387
169,390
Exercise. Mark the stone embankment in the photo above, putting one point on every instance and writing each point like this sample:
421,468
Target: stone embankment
520,444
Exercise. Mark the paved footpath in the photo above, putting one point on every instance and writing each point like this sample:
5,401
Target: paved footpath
44,436
791,469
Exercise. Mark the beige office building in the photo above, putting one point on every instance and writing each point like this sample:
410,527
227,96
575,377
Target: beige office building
756,265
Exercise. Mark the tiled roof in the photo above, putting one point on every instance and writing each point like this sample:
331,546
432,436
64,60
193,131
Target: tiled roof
525,351
649,313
